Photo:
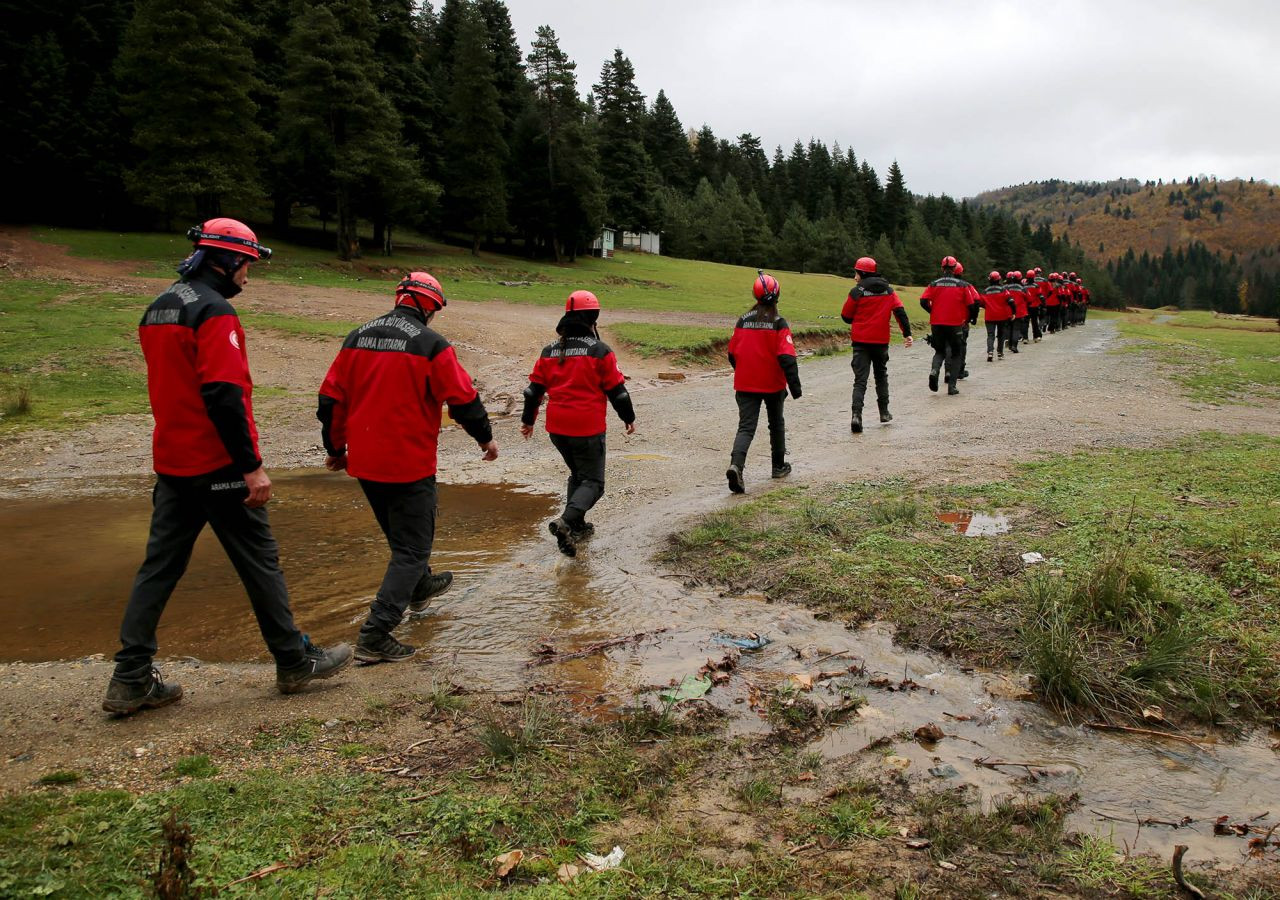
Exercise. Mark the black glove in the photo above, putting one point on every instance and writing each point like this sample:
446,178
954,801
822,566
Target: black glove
795,392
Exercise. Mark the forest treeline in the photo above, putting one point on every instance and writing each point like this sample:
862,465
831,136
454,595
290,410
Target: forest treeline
377,114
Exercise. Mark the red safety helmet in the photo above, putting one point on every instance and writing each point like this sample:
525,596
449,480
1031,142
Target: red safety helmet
418,286
866,265
765,288
1055,276
959,268
580,300
949,262
994,276
228,234
1010,276
1038,270
1073,275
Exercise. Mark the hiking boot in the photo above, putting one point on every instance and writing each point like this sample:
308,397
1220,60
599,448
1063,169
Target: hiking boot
734,475
952,390
782,471
885,415
989,358
319,663
124,698
999,356
1013,349
855,424
437,583
372,647
564,536
963,374
583,532
933,380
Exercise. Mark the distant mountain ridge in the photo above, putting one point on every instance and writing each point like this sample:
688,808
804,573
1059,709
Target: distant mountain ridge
1108,218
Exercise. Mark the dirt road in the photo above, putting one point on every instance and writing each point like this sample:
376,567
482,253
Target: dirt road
1066,393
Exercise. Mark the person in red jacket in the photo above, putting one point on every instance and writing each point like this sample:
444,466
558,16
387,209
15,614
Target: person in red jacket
1044,289
763,355
951,304
867,310
1077,300
577,373
379,411
1035,303
1021,311
1058,298
973,319
998,313
208,470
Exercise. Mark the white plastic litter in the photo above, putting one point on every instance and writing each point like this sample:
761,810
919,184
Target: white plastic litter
1031,559
600,863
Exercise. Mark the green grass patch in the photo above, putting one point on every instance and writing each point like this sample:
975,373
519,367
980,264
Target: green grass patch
694,344
1215,359
1163,585
197,766
627,281
297,326
62,776
68,355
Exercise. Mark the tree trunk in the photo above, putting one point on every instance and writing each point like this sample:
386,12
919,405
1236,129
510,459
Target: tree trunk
379,230
280,210
348,238
475,244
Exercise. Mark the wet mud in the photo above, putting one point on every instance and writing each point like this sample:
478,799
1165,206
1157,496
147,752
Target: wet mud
68,565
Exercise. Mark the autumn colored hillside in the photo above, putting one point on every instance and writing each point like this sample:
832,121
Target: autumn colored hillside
1108,218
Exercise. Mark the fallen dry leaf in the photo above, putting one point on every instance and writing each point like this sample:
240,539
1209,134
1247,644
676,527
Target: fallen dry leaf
956,581
929,734
901,763
567,872
502,865
918,844
1153,714
950,867
802,680
806,776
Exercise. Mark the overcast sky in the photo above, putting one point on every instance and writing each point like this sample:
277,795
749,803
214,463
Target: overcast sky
966,96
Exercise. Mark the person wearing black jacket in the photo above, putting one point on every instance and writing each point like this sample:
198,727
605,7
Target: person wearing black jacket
208,470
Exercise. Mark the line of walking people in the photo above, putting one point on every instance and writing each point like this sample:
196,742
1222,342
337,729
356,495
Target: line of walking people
1019,308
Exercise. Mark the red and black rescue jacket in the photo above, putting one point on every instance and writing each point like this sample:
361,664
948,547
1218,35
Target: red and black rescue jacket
868,308
577,373
382,398
1018,294
198,379
1033,293
949,301
763,355
1059,296
1044,287
997,302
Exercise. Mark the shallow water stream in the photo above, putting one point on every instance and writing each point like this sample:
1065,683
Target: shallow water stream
69,564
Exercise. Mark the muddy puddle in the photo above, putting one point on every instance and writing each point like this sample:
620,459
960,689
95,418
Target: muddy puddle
68,565
972,524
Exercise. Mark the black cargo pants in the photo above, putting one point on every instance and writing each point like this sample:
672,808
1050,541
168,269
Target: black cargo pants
866,358
948,348
585,457
181,507
406,513
749,417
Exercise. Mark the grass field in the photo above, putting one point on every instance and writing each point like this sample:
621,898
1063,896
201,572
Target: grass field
693,344
1215,359
69,355
536,780
1169,571
627,281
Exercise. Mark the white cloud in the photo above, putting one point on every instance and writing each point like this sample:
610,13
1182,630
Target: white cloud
966,96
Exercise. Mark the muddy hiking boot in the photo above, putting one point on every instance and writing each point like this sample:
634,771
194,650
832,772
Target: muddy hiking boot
436,584
319,663
126,697
885,415
782,470
376,646
734,476
855,423
933,379
952,390
583,532
564,535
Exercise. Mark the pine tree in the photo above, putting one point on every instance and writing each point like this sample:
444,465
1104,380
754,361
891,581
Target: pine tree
706,156
667,145
475,151
897,203
188,77
887,265
335,125
624,164
834,248
796,241
725,232
560,164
